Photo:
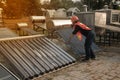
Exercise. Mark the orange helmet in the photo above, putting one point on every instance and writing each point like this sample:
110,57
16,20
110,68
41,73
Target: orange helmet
74,18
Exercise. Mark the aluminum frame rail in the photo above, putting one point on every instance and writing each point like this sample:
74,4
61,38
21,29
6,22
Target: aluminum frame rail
6,74
36,56
76,45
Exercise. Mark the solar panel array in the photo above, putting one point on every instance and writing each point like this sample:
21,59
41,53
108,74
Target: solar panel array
35,56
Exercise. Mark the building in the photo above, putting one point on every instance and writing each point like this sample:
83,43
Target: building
60,13
50,13
72,11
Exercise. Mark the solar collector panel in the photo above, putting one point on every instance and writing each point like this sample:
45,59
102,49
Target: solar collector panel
19,58
50,52
38,53
41,48
54,51
50,43
76,45
57,51
40,59
34,56
27,57
12,59
35,60
49,56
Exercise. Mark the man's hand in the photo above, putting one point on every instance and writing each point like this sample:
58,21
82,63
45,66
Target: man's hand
70,37
67,42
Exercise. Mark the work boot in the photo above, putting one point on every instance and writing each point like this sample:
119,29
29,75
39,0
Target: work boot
85,60
93,58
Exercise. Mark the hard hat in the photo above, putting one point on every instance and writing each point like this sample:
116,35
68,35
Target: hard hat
74,18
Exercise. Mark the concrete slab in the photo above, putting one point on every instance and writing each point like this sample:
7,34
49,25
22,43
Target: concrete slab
7,33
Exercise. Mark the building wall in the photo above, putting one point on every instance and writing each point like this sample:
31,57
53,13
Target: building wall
87,18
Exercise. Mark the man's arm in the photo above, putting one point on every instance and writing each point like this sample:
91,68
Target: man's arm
73,33
70,37
77,28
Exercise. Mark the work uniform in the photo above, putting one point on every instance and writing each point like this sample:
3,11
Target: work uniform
82,29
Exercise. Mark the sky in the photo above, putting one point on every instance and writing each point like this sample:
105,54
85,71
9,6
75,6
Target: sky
75,0
49,0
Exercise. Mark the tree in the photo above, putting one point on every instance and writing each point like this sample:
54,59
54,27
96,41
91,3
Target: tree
19,8
46,5
31,7
67,4
97,4
55,4
78,4
116,4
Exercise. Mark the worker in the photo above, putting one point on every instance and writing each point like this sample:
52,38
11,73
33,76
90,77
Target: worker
80,29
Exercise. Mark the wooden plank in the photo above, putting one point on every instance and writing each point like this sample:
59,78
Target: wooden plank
39,57
54,45
12,59
42,57
56,52
19,58
52,53
47,52
33,57
27,58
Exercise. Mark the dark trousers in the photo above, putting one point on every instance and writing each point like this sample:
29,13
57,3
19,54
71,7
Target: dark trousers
88,45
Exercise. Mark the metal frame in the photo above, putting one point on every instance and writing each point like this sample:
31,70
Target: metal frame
9,71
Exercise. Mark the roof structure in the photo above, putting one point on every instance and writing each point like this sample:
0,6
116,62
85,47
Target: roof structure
73,9
50,13
60,13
